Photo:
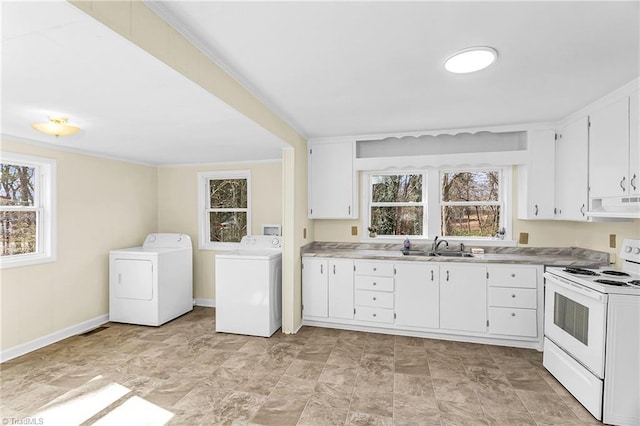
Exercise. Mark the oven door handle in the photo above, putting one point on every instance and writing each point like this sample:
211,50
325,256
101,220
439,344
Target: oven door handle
576,288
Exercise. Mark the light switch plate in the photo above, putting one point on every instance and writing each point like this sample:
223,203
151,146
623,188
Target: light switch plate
354,230
612,240
524,238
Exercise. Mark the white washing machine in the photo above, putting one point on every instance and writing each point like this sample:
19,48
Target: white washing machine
152,284
249,287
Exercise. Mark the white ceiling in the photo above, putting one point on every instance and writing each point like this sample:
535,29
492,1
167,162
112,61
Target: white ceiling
328,68
129,105
341,68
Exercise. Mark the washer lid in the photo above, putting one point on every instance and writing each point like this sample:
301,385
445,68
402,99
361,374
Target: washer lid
249,254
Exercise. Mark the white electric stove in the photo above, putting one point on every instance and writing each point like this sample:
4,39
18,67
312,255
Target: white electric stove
592,335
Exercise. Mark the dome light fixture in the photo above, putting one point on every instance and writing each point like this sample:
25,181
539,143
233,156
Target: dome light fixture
471,59
56,126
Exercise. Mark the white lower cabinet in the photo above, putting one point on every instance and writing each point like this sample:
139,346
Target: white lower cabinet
417,294
513,300
466,301
327,288
463,297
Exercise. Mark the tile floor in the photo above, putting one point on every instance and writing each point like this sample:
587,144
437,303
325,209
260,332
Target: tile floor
186,374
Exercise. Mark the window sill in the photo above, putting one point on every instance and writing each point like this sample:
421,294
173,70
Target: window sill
487,242
25,260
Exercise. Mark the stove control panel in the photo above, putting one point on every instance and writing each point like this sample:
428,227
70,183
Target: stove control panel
630,250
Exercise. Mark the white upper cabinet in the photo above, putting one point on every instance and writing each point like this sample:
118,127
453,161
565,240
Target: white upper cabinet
332,181
536,177
572,173
609,150
634,143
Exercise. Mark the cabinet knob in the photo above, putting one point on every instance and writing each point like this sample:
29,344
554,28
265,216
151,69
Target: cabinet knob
374,269
513,314
374,315
374,283
513,275
374,298
513,295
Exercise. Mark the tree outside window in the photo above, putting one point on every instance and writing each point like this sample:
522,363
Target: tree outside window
18,209
471,203
397,204
227,210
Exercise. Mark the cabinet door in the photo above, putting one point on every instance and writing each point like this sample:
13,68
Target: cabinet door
341,289
634,143
417,295
331,181
572,178
314,288
536,178
463,297
609,150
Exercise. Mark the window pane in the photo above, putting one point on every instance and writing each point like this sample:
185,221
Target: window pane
397,220
470,186
17,185
473,221
396,188
228,193
18,230
228,227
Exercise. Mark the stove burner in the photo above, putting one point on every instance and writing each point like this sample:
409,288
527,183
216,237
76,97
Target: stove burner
580,271
611,282
635,282
615,273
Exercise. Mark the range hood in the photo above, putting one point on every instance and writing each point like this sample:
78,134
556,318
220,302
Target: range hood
615,207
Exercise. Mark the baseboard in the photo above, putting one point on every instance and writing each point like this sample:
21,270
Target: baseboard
209,303
56,336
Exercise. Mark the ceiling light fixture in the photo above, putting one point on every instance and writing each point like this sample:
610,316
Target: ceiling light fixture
470,59
56,126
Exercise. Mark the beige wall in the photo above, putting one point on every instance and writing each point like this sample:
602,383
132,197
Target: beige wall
178,209
547,233
101,205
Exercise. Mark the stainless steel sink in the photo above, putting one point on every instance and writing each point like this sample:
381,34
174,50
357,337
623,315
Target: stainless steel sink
436,253
450,254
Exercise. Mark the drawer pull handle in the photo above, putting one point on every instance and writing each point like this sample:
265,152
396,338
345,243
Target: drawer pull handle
431,275
374,269
513,295
374,315
513,314
374,283
374,298
447,275
513,275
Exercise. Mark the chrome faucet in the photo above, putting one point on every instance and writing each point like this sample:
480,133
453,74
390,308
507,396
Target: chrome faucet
436,244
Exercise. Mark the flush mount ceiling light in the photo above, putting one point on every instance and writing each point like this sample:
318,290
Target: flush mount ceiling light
56,126
470,59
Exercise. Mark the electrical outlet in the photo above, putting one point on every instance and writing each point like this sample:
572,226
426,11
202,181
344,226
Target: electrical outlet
524,238
354,230
304,233
612,240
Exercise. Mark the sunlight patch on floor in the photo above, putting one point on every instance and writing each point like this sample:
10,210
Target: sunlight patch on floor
136,411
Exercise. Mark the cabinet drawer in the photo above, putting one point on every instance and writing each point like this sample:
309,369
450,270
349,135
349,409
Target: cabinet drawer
374,299
374,314
512,277
512,297
374,283
378,269
513,322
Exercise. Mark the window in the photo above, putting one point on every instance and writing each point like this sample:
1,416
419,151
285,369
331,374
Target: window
457,204
27,209
397,204
470,203
225,208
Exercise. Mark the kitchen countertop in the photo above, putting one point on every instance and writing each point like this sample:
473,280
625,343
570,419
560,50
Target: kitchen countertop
548,256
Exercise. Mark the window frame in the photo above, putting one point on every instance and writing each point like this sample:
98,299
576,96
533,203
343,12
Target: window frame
44,204
204,179
369,202
431,200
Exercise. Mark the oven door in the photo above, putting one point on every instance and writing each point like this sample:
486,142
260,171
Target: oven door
575,320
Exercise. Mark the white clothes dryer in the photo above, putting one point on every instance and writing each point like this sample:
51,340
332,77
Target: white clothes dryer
152,284
249,287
